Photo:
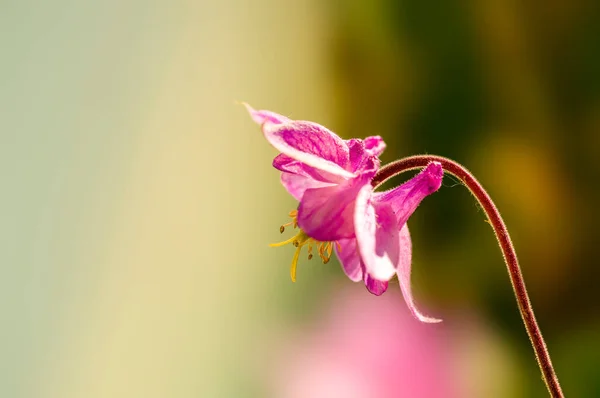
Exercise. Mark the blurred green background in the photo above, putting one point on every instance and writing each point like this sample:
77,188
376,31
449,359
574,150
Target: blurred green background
138,199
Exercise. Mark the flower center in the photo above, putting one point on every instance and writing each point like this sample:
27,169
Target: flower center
300,240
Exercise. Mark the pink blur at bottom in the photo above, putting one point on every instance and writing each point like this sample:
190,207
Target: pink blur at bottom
364,346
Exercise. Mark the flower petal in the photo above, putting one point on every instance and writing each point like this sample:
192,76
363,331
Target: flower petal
404,268
377,235
297,184
262,116
349,258
374,286
311,144
326,214
361,160
285,163
405,199
375,145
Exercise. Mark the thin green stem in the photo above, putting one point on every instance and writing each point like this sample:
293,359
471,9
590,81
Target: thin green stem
508,251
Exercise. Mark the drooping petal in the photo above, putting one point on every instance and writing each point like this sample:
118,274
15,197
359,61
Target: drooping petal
311,144
326,214
377,235
405,199
263,116
375,145
374,286
404,268
349,257
297,184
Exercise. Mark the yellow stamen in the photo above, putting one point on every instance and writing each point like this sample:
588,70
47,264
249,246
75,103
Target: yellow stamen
282,228
301,239
285,242
295,263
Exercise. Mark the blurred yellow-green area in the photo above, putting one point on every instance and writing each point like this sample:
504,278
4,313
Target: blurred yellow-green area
138,198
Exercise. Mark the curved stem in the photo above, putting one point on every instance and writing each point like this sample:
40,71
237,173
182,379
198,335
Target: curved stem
508,251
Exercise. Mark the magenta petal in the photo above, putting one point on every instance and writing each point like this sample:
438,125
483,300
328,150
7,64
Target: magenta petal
405,199
377,235
261,117
361,160
349,258
374,145
374,286
297,184
357,153
404,268
287,164
326,214
310,144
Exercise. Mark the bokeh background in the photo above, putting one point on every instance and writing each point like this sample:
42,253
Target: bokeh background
138,198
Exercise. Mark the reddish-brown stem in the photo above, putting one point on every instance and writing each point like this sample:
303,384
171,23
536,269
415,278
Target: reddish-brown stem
508,251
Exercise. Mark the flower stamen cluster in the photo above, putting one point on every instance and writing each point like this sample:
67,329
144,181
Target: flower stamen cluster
301,239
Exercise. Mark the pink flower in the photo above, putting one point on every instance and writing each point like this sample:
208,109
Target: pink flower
331,178
362,347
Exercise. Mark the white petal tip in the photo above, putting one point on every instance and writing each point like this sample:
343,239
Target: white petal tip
425,319
384,271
